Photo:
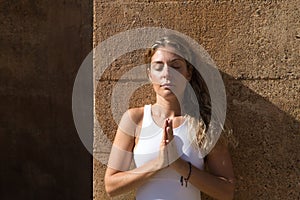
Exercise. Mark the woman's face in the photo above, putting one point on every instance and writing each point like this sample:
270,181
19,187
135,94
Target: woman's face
168,73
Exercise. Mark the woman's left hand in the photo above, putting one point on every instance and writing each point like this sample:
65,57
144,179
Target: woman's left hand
170,142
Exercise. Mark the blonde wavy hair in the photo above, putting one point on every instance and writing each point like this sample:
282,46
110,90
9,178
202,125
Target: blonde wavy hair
198,125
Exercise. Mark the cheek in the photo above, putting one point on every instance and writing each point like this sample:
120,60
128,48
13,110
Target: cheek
155,77
180,77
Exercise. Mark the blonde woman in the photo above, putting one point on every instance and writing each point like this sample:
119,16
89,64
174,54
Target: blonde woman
166,140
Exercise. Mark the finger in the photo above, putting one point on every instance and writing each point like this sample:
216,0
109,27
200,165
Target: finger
170,137
170,129
165,135
166,129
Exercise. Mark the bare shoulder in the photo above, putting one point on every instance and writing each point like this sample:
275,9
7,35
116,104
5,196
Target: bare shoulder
136,115
131,121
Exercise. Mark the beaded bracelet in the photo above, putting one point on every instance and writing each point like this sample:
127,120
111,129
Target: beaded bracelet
188,177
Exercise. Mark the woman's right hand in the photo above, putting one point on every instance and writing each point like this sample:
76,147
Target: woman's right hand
168,150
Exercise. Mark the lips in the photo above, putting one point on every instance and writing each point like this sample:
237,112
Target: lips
166,85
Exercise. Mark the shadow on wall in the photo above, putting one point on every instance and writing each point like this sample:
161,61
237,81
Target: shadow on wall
266,160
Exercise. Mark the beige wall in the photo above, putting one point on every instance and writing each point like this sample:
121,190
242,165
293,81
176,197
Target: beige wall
256,45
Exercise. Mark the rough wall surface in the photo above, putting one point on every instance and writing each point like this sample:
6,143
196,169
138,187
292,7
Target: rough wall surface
42,44
256,45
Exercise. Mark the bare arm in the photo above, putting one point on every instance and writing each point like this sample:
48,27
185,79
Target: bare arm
219,181
118,178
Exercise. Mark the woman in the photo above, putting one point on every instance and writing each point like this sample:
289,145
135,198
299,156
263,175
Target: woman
166,139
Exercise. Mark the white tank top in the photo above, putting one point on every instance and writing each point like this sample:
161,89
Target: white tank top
165,185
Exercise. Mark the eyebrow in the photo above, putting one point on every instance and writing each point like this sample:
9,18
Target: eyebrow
175,59
180,59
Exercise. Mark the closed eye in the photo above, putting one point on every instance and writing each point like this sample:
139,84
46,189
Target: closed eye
178,63
157,66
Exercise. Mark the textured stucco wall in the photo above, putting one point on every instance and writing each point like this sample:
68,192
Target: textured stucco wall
42,44
256,45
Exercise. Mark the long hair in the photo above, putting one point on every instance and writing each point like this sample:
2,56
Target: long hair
203,101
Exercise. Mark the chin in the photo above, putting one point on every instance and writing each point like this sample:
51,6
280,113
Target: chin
169,95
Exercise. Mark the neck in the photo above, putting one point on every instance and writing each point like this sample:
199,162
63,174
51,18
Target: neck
167,108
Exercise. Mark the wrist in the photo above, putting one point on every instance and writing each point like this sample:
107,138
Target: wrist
186,179
177,164
184,168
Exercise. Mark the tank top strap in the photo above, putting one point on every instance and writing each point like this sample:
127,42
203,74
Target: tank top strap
147,119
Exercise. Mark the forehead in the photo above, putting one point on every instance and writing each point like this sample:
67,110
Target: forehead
165,54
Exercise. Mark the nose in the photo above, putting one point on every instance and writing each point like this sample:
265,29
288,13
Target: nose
166,71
